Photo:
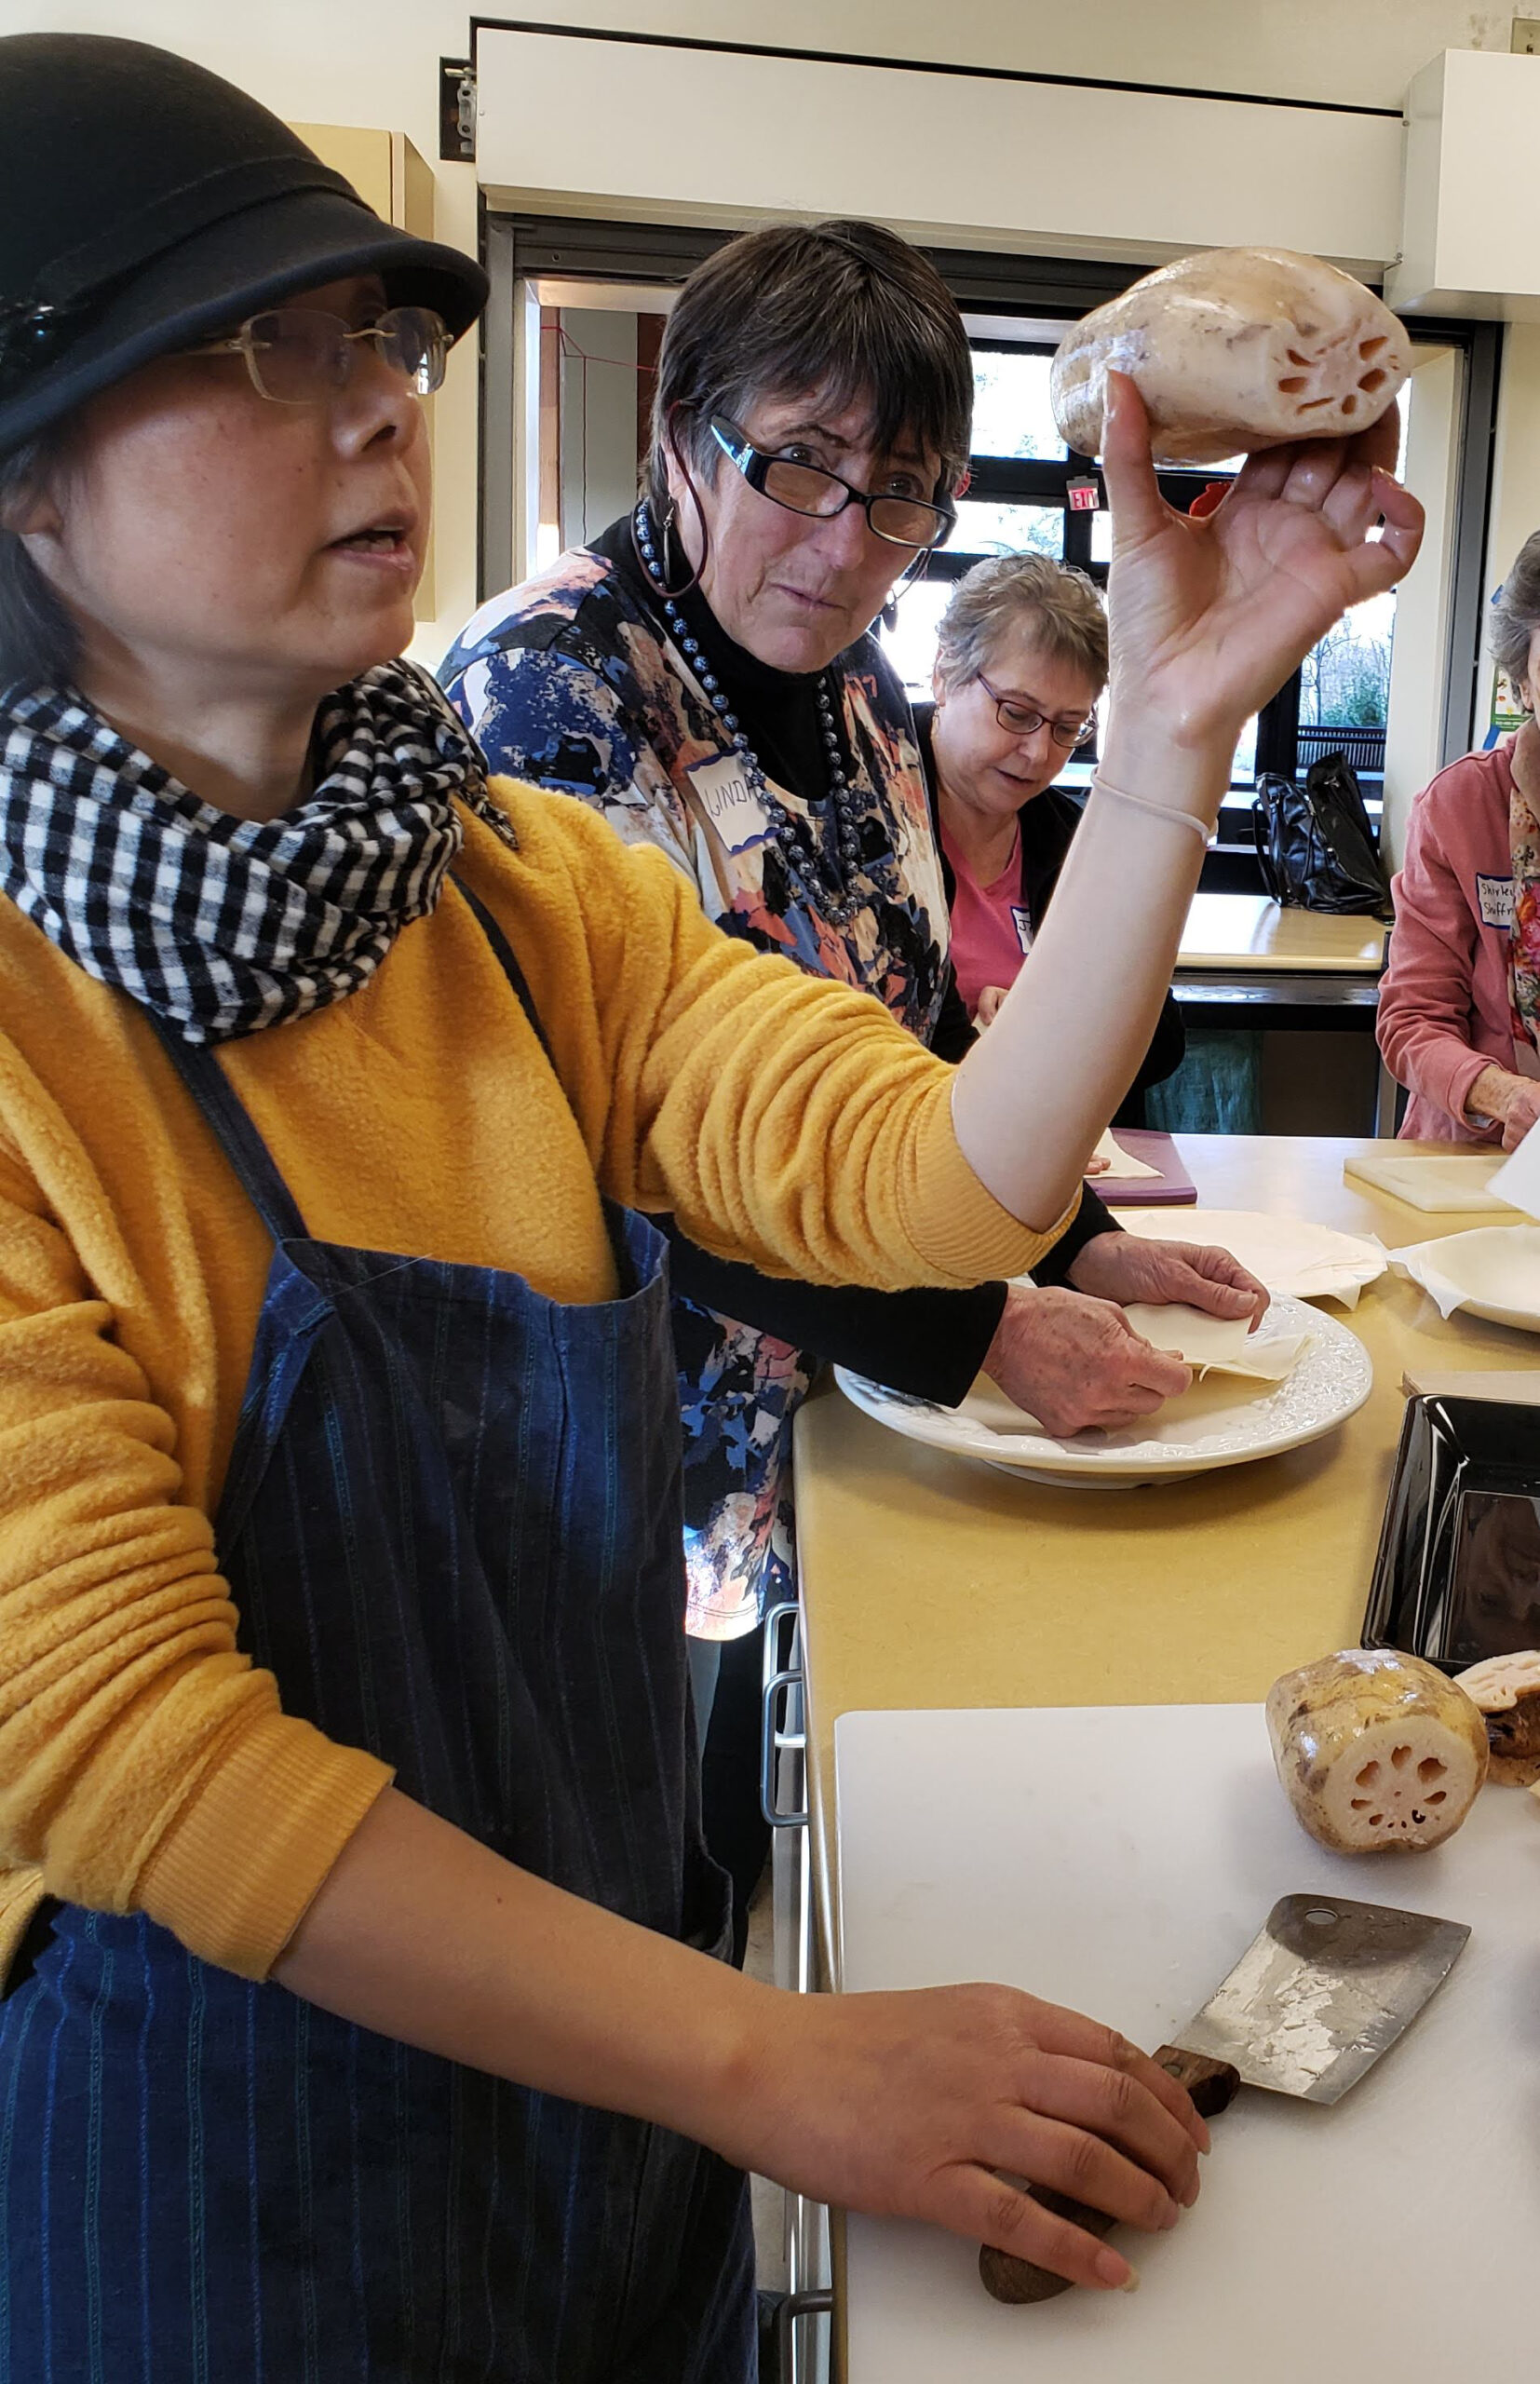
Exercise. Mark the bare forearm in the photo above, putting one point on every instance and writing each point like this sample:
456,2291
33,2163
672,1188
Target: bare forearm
1035,1093
420,1933
1492,1093
901,2103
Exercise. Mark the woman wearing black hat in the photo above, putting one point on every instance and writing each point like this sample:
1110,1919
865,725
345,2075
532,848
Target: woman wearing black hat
346,1770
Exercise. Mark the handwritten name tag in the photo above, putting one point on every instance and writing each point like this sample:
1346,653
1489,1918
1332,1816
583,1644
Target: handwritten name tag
1495,897
1023,925
729,802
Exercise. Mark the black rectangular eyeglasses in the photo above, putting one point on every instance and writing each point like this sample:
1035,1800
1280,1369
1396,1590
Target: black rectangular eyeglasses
806,487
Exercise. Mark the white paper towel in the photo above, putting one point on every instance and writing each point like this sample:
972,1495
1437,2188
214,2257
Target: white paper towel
1518,1180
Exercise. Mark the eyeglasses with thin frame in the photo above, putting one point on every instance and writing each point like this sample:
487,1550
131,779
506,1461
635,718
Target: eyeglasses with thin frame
808,488
1025,720
300,355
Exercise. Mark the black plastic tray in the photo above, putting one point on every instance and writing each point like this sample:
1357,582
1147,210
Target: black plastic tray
1457,1575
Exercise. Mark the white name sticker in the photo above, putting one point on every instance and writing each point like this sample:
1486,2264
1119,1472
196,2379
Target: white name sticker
1495,897
1023,925
729,802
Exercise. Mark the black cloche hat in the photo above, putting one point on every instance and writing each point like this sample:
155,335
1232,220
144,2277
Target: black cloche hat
146,204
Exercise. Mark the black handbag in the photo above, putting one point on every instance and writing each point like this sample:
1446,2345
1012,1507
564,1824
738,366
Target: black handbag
1314,845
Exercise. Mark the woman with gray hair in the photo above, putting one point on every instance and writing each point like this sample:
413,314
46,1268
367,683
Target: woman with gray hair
1459,1019
1020,663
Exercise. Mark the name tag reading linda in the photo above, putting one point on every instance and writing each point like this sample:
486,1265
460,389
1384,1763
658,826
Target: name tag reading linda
1495,898
729,802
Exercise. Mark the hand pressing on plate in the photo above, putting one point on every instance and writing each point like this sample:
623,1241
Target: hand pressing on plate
1127,1267
1076,1364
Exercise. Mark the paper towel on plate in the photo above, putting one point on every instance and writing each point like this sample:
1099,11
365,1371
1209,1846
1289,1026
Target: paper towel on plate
1291,1255
1492,1271
1217,1344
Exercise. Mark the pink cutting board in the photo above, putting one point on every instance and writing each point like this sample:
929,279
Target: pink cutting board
1173,1183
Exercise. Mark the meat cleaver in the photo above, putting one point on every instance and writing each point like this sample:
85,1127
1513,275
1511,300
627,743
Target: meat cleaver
1318,1996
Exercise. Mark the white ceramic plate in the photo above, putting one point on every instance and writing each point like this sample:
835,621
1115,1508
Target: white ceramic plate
1492,1271
1221,1420
1289,1254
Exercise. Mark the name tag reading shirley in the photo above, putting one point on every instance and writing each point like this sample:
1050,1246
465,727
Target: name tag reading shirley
723,790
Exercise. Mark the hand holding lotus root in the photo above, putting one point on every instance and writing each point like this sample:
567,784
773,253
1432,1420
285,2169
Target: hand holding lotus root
1233,351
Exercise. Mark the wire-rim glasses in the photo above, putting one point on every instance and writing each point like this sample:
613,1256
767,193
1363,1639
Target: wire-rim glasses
1025,720
808,488
297,355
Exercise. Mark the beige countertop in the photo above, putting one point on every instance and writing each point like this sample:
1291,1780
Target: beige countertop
1238,931
930,1581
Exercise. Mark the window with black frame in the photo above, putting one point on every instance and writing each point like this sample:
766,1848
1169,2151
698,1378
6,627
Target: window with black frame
1028,491
1019,494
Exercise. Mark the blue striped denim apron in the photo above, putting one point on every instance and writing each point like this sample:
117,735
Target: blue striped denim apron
451,1529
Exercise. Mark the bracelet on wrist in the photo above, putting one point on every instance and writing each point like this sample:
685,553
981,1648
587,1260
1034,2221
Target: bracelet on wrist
1158,811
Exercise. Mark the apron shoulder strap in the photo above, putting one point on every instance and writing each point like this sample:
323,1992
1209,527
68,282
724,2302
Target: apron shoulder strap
226,1115
508,961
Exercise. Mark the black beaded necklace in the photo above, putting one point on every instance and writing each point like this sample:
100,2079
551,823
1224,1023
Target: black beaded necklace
826,887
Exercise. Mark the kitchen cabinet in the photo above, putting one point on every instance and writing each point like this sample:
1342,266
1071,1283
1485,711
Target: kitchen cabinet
392,176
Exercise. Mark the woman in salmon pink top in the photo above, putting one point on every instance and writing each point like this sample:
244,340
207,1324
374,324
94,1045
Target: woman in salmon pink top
1459,1021
1020,662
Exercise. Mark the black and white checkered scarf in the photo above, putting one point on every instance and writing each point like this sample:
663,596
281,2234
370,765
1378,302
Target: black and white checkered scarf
223,925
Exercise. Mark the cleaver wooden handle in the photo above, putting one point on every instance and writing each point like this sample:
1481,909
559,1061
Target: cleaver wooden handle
1211,2085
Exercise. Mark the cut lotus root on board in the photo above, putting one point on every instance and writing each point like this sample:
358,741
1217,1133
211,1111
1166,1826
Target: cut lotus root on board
1377,1752
1233,350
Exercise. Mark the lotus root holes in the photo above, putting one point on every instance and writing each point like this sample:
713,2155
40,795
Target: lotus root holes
1373,381
1295,357
1368,347
1399,1758
1293,383
1367,1776
1428,1770
1439,1796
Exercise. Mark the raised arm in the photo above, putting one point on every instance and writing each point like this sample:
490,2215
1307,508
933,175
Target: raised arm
1209,617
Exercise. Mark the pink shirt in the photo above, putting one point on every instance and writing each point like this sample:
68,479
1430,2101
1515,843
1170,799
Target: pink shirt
1444,1010
991,924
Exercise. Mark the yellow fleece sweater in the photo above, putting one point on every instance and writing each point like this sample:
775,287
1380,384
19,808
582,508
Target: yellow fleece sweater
144,1763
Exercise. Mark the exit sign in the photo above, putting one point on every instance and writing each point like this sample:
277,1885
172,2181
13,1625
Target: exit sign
1085,496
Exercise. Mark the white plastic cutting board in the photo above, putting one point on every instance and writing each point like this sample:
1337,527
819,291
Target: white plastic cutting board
1119,1859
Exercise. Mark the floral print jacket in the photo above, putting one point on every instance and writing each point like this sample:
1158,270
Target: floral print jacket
573,682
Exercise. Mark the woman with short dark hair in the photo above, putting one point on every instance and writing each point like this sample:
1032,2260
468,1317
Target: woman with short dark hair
1459,1015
